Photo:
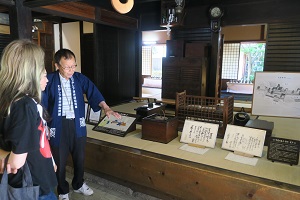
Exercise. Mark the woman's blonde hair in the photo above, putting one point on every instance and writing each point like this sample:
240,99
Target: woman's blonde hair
22,65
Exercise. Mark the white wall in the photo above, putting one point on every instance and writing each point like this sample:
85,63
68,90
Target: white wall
56,37
71,40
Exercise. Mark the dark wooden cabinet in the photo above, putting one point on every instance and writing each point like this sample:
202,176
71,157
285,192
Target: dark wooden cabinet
180,73
196,49
175,48
185,68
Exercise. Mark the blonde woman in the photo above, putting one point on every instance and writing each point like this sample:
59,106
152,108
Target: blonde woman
23,130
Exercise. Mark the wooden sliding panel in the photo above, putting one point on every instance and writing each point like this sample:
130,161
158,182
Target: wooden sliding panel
283,47
183,73
178,178
115,68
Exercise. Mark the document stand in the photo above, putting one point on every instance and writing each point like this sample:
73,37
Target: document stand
243,154
197,145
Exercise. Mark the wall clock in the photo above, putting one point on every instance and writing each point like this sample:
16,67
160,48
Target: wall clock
215,14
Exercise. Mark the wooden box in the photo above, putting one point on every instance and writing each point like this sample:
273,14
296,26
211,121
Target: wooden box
159,129
263,125
146,110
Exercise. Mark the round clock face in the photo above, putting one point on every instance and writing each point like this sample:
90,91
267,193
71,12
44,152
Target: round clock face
215,12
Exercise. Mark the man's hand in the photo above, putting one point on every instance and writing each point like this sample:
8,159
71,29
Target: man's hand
109,112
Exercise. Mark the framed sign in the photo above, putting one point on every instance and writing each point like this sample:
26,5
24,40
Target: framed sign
276,94
114,126
199,133
284,150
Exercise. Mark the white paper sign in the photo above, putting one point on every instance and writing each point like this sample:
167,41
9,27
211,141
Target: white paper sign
95,116
86,105
245,140
200,133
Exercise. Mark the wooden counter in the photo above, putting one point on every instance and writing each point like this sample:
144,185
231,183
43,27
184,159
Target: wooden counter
170,173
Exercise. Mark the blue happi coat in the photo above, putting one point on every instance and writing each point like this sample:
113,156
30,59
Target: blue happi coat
52,101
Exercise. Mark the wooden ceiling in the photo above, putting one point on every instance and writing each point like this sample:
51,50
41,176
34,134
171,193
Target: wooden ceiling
37,7
140,6
97,3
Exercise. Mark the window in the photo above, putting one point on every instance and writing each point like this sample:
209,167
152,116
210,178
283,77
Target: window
152,60
146,60
242,60
230,65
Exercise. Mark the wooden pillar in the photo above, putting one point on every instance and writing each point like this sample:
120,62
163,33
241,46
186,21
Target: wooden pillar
20,19
139,70
213,76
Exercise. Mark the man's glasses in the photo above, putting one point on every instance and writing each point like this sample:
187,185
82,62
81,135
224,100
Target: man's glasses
68,67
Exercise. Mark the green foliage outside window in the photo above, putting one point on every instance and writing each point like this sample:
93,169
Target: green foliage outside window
254,59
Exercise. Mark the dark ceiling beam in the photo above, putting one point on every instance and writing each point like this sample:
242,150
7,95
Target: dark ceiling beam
101,4
72,10
39,3
7,2
144,1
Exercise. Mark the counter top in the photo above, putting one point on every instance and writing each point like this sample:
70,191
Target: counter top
264,168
